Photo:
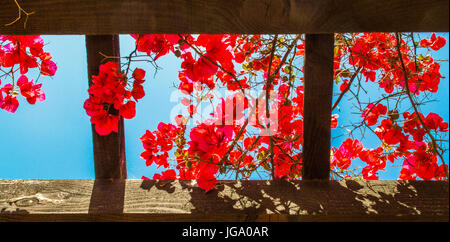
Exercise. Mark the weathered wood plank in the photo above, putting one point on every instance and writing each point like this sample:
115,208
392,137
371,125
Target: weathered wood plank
109,150
317,105
225,16
72,200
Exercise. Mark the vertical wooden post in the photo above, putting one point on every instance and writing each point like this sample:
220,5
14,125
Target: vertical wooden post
109,150
319,51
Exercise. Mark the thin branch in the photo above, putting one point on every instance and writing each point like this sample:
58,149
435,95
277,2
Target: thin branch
268,84
346,89
19,16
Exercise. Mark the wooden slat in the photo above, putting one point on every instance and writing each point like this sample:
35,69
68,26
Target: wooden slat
77,200
317,105
109,150
225,16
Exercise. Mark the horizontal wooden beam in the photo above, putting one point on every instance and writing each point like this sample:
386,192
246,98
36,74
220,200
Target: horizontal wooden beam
224,16
138,200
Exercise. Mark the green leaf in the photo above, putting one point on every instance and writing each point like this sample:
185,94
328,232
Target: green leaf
288,70
346,73
336,50
336,80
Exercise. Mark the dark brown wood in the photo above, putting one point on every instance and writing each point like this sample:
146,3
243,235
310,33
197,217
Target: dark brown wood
225,16
77,200
109,150
317,105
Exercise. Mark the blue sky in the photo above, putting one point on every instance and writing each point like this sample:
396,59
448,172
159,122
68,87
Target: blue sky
53,140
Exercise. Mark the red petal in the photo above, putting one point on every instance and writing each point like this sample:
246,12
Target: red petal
128,110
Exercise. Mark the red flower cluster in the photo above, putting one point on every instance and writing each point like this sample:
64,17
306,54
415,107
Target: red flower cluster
422,163
158,44
434,43
352,149
209,143
377,54
390,133
418,157
161,140
413,126
218,52
32,92
199,162
10,102
210,58
27,52
375,160
109,99
372,113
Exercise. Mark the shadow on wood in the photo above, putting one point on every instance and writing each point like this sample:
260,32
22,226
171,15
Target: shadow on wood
137,200
325,201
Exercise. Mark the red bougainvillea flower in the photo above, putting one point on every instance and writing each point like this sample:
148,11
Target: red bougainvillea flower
375,160
166,175
106,95
105,123
342,157
9,103
26,52
206,180
434,121
1,95
209,140
48,68
344,85
138,74
152,43
231,110
391,134
208,59
128,110
372,112
138,90
32,92
109,99
421,163
160,140
434,43
334,121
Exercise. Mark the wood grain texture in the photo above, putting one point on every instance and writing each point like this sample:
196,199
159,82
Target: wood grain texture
318,91
225,16
109,150
72,200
